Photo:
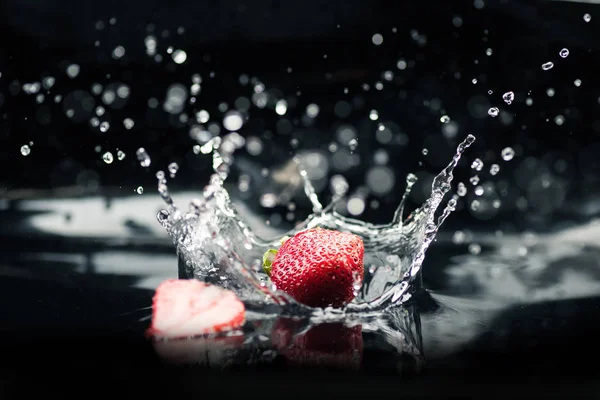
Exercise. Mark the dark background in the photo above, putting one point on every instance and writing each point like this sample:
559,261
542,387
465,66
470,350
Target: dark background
263,39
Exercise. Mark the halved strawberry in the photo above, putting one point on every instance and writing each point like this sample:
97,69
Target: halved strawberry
318,267
325,345
189,307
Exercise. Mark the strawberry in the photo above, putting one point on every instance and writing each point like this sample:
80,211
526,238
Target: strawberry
189,307
317,267
325,345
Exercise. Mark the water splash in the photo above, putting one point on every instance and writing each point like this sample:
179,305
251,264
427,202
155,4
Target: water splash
215,245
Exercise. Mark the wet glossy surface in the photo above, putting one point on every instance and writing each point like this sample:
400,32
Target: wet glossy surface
86,299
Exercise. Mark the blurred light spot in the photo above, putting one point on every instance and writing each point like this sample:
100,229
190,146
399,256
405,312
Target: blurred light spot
355,206
380,179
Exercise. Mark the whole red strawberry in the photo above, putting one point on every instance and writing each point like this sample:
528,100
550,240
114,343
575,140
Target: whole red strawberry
318,267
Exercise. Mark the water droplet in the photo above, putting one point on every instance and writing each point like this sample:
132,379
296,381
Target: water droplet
173,168
48,82
547,66
281,107
162,216
353,144
377,39
474,249
564,53
202,116
458,237
108,157
478,190
507,154
508,97
73,70
312,110
474,81
143,157
494,169
587,17
373,115
179,56
128,123
445,119
139,190
25,150
120,155
233,121
118,52
424,151
577,82
461,189
104,126
559,120
493,111
474,180
488,52
477,164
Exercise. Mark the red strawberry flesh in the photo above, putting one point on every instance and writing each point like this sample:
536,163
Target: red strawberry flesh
187,308
319,267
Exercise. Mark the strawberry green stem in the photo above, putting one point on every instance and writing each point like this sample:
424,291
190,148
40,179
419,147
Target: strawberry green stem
268,258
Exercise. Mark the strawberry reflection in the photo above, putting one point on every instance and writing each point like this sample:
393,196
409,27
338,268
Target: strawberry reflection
331,345
214,352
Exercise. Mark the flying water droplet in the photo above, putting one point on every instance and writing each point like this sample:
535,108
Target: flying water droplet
233,121
25,150
493,111
564,53
547,66
587,17
445,119
474,180
474,249
507,154
108,157
173,168
508,97
120,155
73,70
477,164
461,189
139,190
281,107
162,217
128,123
494,169
143,157
179,56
